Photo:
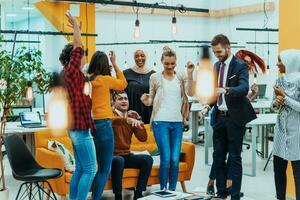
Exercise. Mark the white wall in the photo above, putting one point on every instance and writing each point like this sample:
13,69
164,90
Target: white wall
228,26
119,28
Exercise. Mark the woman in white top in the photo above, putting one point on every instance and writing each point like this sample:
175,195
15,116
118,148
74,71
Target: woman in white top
287,130
167,95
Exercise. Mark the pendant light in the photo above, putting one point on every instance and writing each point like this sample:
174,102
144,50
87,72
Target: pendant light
174,24
137,31
205,80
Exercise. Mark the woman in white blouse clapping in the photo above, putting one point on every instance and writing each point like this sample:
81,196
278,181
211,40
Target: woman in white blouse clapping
287,130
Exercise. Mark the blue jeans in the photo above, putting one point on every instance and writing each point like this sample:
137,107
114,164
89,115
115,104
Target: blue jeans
85,164
104,142
168,136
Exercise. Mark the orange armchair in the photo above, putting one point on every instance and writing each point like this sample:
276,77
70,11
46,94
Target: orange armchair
47,158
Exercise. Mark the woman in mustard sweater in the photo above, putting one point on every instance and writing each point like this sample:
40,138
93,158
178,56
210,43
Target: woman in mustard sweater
102,84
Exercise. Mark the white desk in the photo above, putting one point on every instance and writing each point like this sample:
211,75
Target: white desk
261,120
16,128
261,104
196,107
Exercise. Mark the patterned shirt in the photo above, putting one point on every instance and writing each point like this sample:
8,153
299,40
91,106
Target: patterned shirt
81,104
287,129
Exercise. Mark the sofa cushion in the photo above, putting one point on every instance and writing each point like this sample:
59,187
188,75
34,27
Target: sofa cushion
41,139
128,173
68,158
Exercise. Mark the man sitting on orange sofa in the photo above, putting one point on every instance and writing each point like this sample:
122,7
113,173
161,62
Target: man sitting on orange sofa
125,124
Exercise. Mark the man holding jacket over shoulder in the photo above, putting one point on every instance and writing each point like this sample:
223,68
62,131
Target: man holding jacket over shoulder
231,112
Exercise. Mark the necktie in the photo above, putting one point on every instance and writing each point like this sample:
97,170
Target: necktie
221,77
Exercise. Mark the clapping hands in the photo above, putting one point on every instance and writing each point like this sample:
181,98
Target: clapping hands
280,94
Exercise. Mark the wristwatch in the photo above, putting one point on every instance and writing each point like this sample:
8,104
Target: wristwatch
227,90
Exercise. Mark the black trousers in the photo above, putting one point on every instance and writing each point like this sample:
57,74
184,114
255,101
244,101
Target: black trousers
280,166
212,173
141,162
228,139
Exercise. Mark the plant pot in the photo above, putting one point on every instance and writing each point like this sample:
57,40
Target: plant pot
4,194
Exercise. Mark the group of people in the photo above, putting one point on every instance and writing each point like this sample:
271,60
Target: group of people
121,105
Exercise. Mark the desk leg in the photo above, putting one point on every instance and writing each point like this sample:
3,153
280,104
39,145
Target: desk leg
263,141
253,166
206,140
254,152
267,141
195,127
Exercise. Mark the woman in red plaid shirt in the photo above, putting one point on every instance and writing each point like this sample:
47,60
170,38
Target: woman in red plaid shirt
72,58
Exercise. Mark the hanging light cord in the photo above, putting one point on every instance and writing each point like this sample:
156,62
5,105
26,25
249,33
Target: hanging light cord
28,22
266,18
87,24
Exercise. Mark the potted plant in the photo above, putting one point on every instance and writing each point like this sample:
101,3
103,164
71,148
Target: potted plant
16,71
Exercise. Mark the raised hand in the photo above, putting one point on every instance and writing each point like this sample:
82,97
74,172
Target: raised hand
279,102
254,88
134,122
112,57
279,91
144,98
133,114
190,67
220,91
203,112
72,20
76,27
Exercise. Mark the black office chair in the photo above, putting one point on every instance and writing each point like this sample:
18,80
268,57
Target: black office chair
25,168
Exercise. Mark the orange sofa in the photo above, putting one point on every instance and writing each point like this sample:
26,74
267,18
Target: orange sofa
51,159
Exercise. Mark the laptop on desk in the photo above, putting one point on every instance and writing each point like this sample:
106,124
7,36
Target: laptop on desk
31,120
261,91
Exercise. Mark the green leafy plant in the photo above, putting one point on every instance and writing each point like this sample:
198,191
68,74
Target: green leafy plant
15,72
26,65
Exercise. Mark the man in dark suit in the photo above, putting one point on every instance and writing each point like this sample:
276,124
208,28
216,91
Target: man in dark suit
231,112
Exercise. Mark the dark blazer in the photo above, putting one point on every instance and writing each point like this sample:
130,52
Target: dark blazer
239,108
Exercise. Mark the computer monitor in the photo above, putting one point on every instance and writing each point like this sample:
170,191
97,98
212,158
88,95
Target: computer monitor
261,91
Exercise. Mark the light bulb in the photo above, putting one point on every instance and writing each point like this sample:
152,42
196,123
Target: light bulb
205,83
29,91
154,66
59,115
255,79
174,25
125,65
205,90
137,29
268,70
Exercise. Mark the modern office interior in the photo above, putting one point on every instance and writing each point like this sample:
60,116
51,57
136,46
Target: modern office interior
137,39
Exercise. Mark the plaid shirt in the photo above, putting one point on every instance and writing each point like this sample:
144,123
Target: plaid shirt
81,104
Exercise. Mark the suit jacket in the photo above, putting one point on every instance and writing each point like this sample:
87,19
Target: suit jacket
239,108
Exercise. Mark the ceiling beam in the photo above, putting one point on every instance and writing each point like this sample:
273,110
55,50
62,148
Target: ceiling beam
20,41
180,8
27,32
218,13
201,46
258,29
